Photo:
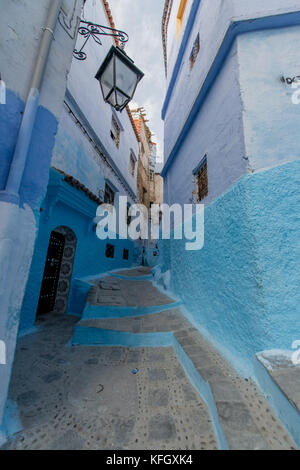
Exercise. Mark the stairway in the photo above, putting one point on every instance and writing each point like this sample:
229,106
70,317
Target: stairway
125,309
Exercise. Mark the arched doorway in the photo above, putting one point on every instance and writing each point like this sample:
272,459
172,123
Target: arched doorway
58,271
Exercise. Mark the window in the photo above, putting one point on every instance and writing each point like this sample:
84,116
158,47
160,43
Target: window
128,215
109,195
132,164
202,181
151,175
110,251
180,16
115,132
126,254
195,51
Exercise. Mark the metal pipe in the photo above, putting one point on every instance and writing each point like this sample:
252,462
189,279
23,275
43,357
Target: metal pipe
25,133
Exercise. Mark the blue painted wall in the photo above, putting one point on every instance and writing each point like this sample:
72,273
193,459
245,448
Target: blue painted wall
36,173
243,286
218,132
270,119
90,251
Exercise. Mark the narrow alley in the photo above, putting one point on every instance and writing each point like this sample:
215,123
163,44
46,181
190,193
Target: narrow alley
75,391
149,226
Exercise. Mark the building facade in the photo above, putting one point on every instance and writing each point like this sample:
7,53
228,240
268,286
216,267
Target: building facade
64,152
94,162
33,73
149,181
232,144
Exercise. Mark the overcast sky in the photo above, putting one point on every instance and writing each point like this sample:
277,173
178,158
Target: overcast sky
141,19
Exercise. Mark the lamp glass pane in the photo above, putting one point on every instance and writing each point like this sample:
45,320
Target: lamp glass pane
112,99
125,78
121,99
107,78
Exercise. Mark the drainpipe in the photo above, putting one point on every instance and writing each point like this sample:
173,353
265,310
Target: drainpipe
11,193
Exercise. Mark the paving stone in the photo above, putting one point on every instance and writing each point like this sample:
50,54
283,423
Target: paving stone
161,427
155,356
54,376
224,390
92,362
123,430
179,372
158,397
28,398
116,355
157,374
189,393
68,441
133,357
211,373
187,341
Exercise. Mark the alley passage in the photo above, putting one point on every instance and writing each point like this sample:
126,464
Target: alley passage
111,397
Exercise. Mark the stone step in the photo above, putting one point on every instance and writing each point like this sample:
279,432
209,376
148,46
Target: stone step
279,377
127,293
244,416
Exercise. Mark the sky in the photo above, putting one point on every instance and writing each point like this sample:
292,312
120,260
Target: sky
141,20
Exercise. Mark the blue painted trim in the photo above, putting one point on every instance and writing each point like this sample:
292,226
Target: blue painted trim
60,190
94,311
205,393
200,165
71,102
133,278
111,185
117,119
133,154
235,28
77,297
285,410
185,39
86,336
11,424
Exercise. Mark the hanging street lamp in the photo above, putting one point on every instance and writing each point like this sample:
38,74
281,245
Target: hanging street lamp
118,76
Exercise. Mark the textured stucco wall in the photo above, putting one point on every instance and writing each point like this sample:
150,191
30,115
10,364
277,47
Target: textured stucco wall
242,287
20,35
16,249
270,119
217,132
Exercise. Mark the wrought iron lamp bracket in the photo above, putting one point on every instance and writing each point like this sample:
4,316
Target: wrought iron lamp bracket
88,30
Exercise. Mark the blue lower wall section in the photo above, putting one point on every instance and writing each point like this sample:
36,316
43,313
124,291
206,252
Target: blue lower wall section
243,286
90,256
36,173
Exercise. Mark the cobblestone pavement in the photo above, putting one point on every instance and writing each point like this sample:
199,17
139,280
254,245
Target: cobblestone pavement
84,397
88,397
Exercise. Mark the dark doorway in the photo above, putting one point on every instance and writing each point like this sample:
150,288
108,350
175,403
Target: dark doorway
51,273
